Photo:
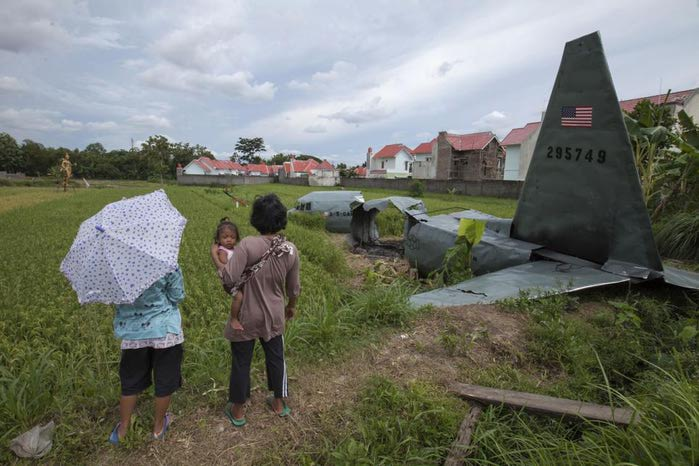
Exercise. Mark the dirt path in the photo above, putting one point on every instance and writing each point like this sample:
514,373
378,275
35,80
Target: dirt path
480,336
206,436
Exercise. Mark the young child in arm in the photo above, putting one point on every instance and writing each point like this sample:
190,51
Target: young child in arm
227,236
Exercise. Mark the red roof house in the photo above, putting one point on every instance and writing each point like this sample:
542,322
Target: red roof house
679,98
519,135
390,151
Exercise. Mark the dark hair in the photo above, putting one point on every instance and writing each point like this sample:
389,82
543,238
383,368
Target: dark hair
226,224
268,214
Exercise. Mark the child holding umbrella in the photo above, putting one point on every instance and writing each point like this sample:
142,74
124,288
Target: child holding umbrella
126,255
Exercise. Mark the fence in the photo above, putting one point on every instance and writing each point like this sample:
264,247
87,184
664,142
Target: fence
222,180
491,188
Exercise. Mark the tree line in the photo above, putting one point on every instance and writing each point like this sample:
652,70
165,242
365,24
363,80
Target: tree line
156,157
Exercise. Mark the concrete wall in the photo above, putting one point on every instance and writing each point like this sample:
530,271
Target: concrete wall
294,181
323,181
222,180
493,188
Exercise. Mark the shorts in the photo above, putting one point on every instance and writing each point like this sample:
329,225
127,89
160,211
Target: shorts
137,365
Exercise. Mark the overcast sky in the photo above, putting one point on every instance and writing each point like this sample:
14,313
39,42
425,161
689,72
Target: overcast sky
328,78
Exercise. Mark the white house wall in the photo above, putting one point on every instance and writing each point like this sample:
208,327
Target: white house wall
512,163
193,169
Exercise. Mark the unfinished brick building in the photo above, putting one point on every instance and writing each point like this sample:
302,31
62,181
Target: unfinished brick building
477,156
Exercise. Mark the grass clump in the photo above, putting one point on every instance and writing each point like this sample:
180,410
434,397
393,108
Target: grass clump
678,236
666,433
396,425
390,222
310,220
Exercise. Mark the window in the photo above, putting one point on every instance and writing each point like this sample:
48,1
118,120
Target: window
382,165
308,206
300,207
406,166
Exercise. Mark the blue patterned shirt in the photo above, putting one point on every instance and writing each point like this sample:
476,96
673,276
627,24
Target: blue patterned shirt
154,314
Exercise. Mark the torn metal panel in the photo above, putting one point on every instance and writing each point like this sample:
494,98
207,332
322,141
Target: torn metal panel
429,238
335,205
363,221
536,278
402,203
681,278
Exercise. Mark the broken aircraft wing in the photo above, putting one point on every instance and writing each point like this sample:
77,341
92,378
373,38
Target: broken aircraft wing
536,279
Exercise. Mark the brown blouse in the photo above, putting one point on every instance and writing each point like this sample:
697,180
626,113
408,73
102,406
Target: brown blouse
262,312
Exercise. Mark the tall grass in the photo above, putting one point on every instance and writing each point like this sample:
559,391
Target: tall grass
678,236
398,425
59,361
666,433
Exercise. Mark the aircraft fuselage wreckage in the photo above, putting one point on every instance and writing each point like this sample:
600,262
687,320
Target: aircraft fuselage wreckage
334,205
580,221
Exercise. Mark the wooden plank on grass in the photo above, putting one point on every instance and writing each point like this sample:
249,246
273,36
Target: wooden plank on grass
461,448
547,405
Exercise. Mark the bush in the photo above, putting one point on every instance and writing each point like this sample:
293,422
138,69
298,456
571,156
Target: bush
417,189
678,237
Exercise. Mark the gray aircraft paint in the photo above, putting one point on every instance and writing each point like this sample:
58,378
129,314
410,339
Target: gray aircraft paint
581,219
589,208
335,205
363,226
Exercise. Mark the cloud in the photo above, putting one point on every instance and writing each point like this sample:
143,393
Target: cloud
370,111
495,121
11,84
150,121
42,24
340,71
134,63
71,125
315,129
237,85
298,85
446,67
101,125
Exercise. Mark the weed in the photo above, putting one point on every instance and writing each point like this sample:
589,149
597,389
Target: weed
397,425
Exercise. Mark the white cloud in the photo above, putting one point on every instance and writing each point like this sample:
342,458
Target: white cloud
339,69
298,85
134,63
71,125
101,125
238,85
339,72
315,129
495,121
11,84
40,24
370,111
150,121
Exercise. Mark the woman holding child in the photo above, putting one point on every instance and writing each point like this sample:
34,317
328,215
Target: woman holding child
263,269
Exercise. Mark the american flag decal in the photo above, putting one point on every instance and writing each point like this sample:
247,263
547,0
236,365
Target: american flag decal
576,116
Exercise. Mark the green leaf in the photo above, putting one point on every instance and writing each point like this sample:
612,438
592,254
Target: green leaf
472,230
687,334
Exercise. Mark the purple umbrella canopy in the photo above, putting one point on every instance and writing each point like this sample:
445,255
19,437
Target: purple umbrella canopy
124,248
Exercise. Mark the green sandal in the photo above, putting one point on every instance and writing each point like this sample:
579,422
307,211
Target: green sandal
285,410
236,422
